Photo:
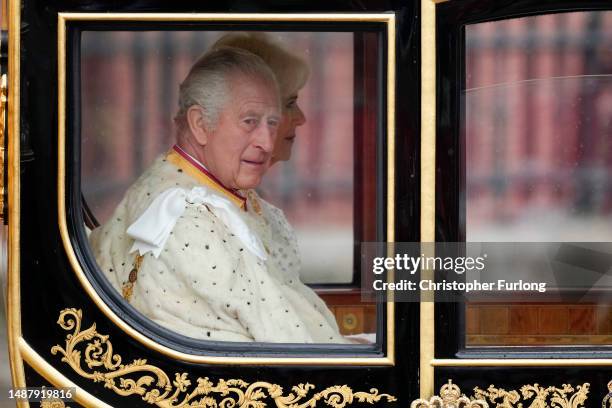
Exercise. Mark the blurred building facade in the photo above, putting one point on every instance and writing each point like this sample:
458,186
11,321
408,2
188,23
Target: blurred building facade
538,159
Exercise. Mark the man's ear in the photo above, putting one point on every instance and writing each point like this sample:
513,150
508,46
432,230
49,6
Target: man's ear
198,125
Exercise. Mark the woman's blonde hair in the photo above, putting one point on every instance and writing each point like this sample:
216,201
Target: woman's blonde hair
290,70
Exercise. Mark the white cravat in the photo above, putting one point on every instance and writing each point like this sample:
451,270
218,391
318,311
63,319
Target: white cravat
152,229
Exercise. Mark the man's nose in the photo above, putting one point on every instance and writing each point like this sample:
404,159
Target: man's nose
265,136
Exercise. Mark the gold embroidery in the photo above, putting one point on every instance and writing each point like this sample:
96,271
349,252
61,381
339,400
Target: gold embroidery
563,397
254,202
450,397
156,387
128,287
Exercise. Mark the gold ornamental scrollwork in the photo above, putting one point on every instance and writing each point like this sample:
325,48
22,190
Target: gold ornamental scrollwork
53,403
536,396
450,397
90,354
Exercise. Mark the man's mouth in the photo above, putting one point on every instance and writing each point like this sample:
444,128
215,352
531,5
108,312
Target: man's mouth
291,137
254,162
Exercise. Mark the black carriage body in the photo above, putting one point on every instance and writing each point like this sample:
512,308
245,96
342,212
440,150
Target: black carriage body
49,288
49,285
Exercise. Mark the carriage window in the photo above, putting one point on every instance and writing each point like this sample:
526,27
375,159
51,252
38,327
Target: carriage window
289,190
538,134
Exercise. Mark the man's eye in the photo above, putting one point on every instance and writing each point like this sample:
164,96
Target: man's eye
251,121
273,122
290,104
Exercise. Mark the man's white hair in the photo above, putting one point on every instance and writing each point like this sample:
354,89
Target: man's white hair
208,82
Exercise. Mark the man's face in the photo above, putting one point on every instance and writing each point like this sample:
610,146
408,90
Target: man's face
239,149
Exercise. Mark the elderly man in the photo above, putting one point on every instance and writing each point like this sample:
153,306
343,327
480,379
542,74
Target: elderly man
184,247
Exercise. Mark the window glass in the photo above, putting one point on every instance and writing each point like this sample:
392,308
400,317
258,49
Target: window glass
538,159
127,123
130,119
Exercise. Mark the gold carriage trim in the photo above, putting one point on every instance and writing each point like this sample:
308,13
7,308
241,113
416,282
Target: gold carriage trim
53,403
450,397
536,396
156,388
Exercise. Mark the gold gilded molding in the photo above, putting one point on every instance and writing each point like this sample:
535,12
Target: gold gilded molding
428,184
387,18
450,397
382,17
156,387
607,401
14,194
536,396
3,100
521,362
391,46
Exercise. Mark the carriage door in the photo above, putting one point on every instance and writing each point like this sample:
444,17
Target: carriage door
523,174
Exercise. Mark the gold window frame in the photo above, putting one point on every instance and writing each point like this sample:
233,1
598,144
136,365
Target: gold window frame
386,18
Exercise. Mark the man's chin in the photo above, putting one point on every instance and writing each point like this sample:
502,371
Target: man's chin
250,182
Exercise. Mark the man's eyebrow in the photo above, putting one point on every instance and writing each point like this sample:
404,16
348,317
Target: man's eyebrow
250,112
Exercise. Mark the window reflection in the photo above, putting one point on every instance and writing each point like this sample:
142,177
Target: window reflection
538,151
